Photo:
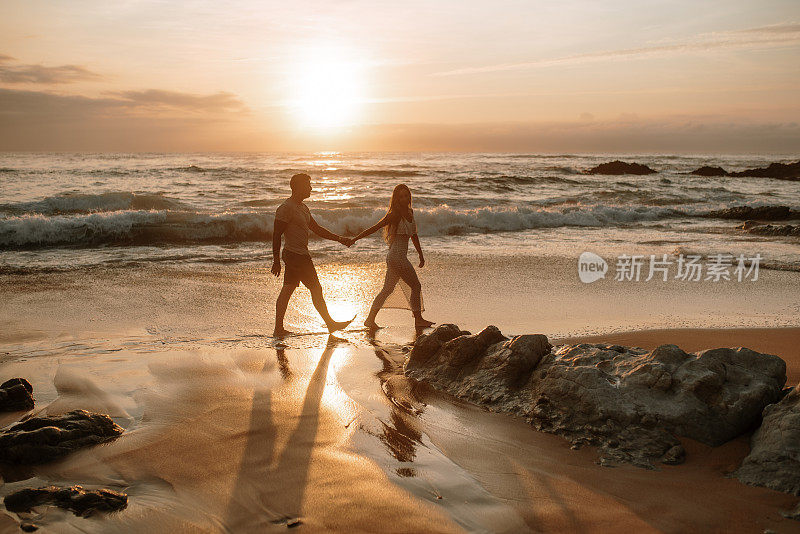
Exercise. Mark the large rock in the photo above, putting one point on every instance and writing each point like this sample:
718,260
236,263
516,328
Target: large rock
79,501
628,401
758,213
710,171
774,459
45,438
783,171
621,167
784,230
16,395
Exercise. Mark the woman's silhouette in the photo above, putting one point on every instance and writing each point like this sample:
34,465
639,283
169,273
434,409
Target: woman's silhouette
398,226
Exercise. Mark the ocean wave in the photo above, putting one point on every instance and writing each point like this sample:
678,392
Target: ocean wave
505,179
71,203
386,173
131,228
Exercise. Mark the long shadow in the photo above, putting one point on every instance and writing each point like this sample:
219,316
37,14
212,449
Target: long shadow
262,491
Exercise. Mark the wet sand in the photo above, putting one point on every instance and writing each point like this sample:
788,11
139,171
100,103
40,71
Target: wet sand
228,432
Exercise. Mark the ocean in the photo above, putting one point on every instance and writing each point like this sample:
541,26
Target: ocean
66,211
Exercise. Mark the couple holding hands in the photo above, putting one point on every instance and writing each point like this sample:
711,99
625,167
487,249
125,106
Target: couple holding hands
294,221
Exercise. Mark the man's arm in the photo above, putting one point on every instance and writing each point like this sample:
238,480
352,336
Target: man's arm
277,231
324,232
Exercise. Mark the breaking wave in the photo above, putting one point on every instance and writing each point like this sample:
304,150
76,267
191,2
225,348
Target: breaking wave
156,227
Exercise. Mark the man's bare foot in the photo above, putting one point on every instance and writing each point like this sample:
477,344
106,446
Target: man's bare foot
372,325
281,332
339,325
423,323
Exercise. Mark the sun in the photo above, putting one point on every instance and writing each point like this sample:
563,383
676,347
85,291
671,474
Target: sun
327,88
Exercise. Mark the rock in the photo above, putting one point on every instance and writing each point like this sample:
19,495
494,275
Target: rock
792,514
621,167
774,459
628,401
16,395
751,227
758,213
782,171
427,344
710,171
29,527
676,455
45,438
79,501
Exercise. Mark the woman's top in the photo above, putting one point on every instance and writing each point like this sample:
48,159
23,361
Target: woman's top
405,227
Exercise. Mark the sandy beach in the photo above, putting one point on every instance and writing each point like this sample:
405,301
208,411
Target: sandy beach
225,431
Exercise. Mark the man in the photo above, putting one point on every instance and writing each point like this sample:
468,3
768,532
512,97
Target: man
293,220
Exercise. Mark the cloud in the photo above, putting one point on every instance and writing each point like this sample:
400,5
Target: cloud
779,35
41,74
39,105
160,99
131,120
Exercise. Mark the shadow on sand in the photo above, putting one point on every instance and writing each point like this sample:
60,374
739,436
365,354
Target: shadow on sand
268,491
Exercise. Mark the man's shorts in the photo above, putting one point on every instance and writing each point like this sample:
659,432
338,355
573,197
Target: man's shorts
299,268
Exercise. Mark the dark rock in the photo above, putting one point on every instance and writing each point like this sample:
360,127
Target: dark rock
28,527
758,213
427,344
676,455
16,395
621,167
782,171
792,514
45,438
79,501
782,230
710,171
628,401
774,459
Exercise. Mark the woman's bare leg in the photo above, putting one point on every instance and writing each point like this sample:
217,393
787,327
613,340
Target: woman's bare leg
391,279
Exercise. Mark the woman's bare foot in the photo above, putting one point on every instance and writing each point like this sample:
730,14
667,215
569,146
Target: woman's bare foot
423,323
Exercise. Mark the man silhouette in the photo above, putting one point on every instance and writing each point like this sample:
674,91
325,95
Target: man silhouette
293,220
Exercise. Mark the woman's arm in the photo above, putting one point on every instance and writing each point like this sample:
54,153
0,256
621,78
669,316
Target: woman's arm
415,240
374,228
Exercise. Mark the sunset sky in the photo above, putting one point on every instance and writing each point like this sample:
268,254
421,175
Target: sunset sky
569,76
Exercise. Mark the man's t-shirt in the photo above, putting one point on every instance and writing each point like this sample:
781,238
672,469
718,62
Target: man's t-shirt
297,217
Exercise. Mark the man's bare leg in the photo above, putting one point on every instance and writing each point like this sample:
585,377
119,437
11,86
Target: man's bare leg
322,309
280,309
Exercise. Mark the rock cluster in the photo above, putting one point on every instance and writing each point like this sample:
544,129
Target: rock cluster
16,395
44,438
710,171
79,501
774,459
757,213
620,167
784,230
630,402
781,171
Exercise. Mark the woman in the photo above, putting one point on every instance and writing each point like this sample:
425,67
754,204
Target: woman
398,226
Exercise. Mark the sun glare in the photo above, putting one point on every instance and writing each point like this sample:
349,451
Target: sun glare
327,89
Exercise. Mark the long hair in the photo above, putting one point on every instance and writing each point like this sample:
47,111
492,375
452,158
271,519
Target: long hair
397,210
